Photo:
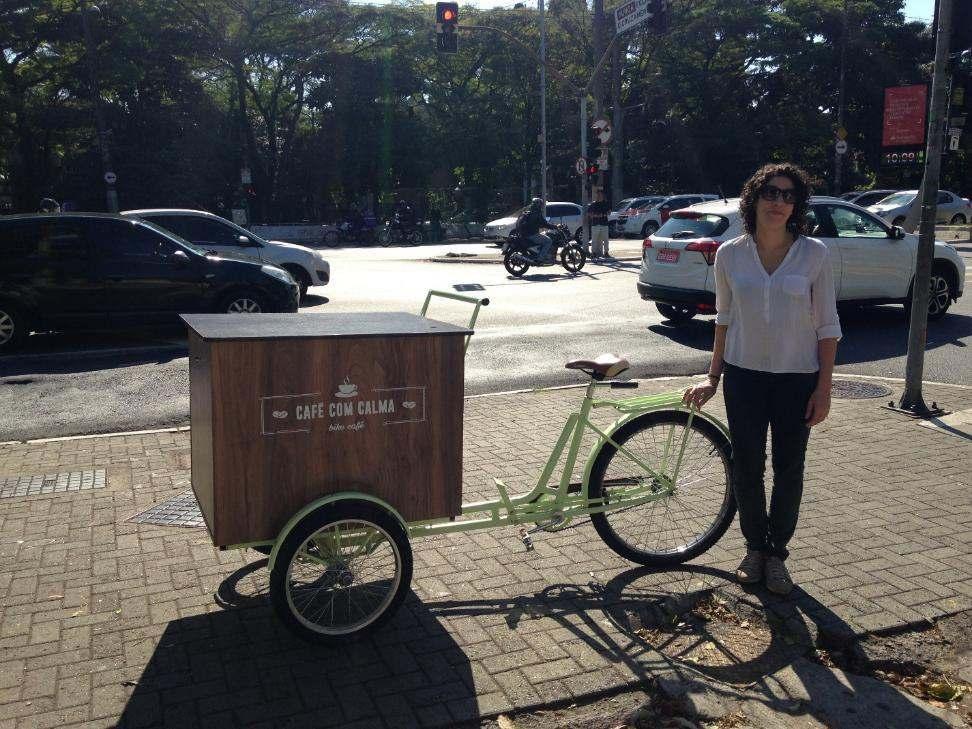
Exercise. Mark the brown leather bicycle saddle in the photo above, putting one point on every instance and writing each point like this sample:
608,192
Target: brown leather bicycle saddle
606,365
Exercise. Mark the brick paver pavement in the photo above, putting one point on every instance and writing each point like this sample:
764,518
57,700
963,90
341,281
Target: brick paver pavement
108,621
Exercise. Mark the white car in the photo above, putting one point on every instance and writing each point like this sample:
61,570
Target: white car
214,233
557,213
865,198
951,209
874,263
627,207
647,220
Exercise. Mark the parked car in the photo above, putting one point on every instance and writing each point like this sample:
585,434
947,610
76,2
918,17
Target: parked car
951,209
628,207
213,233
864,198
67,271
874,263
650,219
557,213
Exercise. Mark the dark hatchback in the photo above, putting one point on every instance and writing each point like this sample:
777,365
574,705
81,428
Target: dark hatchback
68,271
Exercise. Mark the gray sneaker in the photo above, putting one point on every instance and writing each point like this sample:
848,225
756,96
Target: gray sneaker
777,578
750,570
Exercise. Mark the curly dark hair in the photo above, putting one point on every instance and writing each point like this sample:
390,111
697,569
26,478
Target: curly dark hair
750,192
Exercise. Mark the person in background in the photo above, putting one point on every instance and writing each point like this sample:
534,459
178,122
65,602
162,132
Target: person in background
49,205
776,334
597,217
529,224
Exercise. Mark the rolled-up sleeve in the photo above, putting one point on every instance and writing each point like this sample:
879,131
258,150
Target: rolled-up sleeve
723,300
824,302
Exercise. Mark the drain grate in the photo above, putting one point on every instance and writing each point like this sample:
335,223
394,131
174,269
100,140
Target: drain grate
181,510
856,390
12,487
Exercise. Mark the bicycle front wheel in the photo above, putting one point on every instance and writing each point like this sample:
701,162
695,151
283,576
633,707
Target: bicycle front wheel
676,528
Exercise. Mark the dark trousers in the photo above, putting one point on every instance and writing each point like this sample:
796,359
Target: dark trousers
755,401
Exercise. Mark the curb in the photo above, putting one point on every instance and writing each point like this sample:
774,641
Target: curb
476,258
91,353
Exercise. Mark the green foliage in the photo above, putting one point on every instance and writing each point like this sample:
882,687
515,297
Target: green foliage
329,103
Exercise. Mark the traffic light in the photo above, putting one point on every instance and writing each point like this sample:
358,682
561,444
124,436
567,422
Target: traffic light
446,27
592,170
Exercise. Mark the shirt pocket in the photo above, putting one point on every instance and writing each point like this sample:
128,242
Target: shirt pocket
798,286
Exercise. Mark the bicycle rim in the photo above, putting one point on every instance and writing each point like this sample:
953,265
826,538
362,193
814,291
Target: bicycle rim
343,577
678,527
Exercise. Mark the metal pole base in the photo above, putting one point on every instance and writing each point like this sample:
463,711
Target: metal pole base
917,411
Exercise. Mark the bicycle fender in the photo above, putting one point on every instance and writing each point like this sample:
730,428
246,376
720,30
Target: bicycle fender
324,501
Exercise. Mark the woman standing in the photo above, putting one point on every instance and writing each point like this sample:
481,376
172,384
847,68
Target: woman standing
776,334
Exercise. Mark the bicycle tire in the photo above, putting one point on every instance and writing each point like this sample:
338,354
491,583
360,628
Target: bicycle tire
717,511
340,574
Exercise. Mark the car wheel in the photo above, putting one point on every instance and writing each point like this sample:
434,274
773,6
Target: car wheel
332,238
649,228
958,219
675,314
301,277
939,295
13,327
243,302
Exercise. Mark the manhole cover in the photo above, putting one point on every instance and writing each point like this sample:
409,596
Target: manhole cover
181,510
856,390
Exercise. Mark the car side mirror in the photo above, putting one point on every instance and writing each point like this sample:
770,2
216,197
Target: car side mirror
244,240
897,232
179,259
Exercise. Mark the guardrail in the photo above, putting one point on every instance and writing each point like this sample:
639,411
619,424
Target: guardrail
953,233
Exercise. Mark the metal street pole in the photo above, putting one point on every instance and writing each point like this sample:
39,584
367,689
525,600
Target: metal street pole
543,106
839,156
583,135
111,195
911,399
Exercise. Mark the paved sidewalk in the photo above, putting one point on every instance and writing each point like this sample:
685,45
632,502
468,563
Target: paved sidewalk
106,621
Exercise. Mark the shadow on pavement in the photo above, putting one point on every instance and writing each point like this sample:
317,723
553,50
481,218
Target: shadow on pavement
239,666
870,333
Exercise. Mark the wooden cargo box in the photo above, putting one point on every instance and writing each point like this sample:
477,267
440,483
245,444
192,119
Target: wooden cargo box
289,407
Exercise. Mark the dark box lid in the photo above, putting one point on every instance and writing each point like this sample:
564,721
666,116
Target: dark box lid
228,327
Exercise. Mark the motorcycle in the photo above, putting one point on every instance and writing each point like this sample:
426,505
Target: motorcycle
520,253
350,231
394,233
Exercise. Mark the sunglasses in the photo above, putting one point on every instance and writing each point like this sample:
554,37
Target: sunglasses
772,193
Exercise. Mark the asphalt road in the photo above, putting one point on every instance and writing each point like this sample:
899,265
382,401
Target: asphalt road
94,383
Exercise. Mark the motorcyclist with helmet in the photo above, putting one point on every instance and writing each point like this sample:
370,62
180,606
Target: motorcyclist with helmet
529,225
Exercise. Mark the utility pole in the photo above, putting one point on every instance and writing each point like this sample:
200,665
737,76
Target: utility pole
543,107
109,176
617,161
839,156
911,400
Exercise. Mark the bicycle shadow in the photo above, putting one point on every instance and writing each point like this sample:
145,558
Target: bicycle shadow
437,662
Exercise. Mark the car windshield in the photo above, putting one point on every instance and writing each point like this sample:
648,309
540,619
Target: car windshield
688,224
172,236
898,198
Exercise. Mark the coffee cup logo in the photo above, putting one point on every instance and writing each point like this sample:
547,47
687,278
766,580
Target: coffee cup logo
280,414
347,389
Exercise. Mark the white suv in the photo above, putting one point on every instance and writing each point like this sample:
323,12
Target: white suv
212,232
874,263
649,219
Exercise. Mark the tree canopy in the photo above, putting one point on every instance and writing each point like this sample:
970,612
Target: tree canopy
326,102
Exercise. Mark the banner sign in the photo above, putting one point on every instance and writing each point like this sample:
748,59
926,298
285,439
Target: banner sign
904,116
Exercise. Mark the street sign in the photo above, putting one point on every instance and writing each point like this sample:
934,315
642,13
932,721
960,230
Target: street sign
841,147
602,130
635,12
110,178
580,166
953,140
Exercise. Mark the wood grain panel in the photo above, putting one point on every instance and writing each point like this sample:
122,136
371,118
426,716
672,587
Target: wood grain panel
201,435
285,432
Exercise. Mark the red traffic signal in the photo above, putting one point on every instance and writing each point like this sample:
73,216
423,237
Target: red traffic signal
446,13
446,20
592,169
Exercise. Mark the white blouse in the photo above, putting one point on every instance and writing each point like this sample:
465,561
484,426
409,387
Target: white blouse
775,320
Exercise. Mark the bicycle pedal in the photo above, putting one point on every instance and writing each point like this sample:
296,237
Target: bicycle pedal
526,539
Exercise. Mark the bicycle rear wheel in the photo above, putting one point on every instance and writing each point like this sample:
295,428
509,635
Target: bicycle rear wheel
679,527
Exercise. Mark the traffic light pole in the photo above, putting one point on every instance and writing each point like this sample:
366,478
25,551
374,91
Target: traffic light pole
584,202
